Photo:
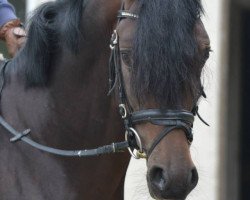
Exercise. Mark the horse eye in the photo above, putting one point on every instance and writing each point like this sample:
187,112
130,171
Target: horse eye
207,53
127,58
205,56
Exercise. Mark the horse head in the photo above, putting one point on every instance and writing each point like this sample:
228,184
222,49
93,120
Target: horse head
159,49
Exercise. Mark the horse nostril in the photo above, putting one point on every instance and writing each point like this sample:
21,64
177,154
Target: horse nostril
175,184
193,180
157,178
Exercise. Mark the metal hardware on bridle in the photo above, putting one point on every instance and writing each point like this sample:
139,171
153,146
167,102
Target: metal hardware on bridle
123,111
114,40
138,153
127,14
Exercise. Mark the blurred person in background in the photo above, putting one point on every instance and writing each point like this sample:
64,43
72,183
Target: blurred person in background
11,30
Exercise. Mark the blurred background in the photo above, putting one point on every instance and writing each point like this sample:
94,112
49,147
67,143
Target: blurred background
221,151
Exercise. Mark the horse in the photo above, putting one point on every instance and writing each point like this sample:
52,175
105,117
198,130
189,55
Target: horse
54,97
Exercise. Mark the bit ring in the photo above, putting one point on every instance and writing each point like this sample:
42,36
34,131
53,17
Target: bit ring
137,154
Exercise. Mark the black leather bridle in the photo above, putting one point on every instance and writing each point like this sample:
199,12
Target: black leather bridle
171,119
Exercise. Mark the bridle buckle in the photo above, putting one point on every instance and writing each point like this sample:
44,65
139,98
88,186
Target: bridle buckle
114,40
123,111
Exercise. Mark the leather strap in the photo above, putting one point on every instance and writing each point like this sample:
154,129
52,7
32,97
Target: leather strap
166,131
162,117
23,136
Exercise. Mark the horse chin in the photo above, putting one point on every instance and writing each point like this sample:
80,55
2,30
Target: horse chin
164,196
157,198
170,199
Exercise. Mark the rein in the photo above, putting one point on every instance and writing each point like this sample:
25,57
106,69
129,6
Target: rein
23,136
172,119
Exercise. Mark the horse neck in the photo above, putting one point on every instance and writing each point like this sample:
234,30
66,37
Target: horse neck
80,84
79,96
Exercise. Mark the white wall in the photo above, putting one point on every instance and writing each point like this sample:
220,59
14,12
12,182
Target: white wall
32,4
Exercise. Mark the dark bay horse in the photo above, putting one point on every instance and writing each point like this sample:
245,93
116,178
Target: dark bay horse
56,87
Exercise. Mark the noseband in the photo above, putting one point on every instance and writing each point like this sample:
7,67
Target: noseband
170,119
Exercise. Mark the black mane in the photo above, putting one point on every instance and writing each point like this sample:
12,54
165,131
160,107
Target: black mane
164,51
54,25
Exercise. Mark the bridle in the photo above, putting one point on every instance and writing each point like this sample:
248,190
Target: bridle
171,119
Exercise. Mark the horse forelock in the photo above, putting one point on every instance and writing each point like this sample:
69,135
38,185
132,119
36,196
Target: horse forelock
164,48
53,26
